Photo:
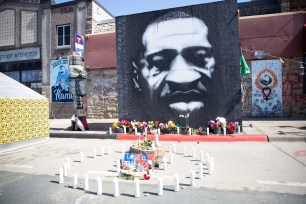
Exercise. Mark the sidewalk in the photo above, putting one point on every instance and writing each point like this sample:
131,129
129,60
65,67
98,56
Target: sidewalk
286,130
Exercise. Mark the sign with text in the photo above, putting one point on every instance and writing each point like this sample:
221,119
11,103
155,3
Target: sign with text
79,43
138,159
59,80
20,55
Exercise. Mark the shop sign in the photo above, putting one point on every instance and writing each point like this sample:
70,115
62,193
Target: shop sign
20,55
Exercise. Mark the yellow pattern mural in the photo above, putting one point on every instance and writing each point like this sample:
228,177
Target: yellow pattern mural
22,119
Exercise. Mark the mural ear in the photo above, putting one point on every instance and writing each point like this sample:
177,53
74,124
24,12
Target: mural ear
136,73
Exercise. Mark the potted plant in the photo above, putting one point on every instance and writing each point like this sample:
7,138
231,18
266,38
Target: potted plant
231,127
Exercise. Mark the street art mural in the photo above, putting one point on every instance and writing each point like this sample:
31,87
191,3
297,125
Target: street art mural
180,61
59,80
266,88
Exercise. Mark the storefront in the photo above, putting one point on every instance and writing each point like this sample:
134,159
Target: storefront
23,65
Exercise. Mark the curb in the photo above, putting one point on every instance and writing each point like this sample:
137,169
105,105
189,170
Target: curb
82,135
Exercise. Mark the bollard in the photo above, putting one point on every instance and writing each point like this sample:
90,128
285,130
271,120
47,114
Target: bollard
75,180
200,170
86,183
165,163
176,182
108,150
65,169
94,153
160,186
116,187
118,166
99,185
207,158
192,178
207,131
102,151
136,188
174,148
185,150
202,156
170,158
82,157
193,152
68,163
61,175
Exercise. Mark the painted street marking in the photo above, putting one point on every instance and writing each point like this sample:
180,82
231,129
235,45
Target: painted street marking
19,166
301,153
282,183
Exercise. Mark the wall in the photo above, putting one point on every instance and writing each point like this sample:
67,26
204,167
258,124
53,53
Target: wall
294,101
102,94
284,38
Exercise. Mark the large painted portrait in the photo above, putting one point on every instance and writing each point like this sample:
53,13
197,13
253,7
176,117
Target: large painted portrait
180,61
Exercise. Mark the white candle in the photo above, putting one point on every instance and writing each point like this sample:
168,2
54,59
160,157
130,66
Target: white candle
75,180
165,163
202,156
122,148
136,188
171,158
192,178
102,151
61,175
176,179
124,129
110,130
86,183
94,152
108,150
224,131
65,169
146,130
200,170
118,166
82,157
135,131
156,139
116,187
158,131
239,129
185,150
178,130
99,186
193,152
174,148
207,131
189,131
207,158
160,186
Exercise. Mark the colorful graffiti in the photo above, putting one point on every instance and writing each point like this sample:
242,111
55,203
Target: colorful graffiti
267,88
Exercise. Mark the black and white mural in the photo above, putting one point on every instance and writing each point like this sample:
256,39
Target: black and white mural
180,61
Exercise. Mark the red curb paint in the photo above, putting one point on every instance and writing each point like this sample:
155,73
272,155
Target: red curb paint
201,138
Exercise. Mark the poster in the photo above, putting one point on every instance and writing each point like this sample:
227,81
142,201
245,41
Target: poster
266,88
59,81
180,61
141,160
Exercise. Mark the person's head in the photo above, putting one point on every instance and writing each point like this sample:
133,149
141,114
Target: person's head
177,62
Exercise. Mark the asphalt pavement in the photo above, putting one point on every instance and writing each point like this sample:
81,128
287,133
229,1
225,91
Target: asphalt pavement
244,172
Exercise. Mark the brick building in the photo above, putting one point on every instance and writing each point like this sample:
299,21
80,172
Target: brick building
22,47
67,19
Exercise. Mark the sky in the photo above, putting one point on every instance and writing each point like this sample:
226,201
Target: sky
126,7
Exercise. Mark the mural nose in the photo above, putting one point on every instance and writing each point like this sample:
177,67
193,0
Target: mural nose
181,72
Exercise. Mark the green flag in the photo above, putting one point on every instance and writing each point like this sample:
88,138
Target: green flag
244,70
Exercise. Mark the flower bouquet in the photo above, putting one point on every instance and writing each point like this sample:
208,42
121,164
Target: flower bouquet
231,127
118,126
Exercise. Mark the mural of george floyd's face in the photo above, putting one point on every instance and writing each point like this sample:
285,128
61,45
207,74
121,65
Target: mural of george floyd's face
177,63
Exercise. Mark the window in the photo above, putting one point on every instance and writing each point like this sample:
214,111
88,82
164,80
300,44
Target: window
63,36
7,27
28,27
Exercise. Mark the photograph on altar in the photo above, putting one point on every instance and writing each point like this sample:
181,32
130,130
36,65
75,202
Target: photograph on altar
180,61
266,88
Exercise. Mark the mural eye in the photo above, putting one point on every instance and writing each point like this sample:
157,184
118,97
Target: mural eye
162,59
196,55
